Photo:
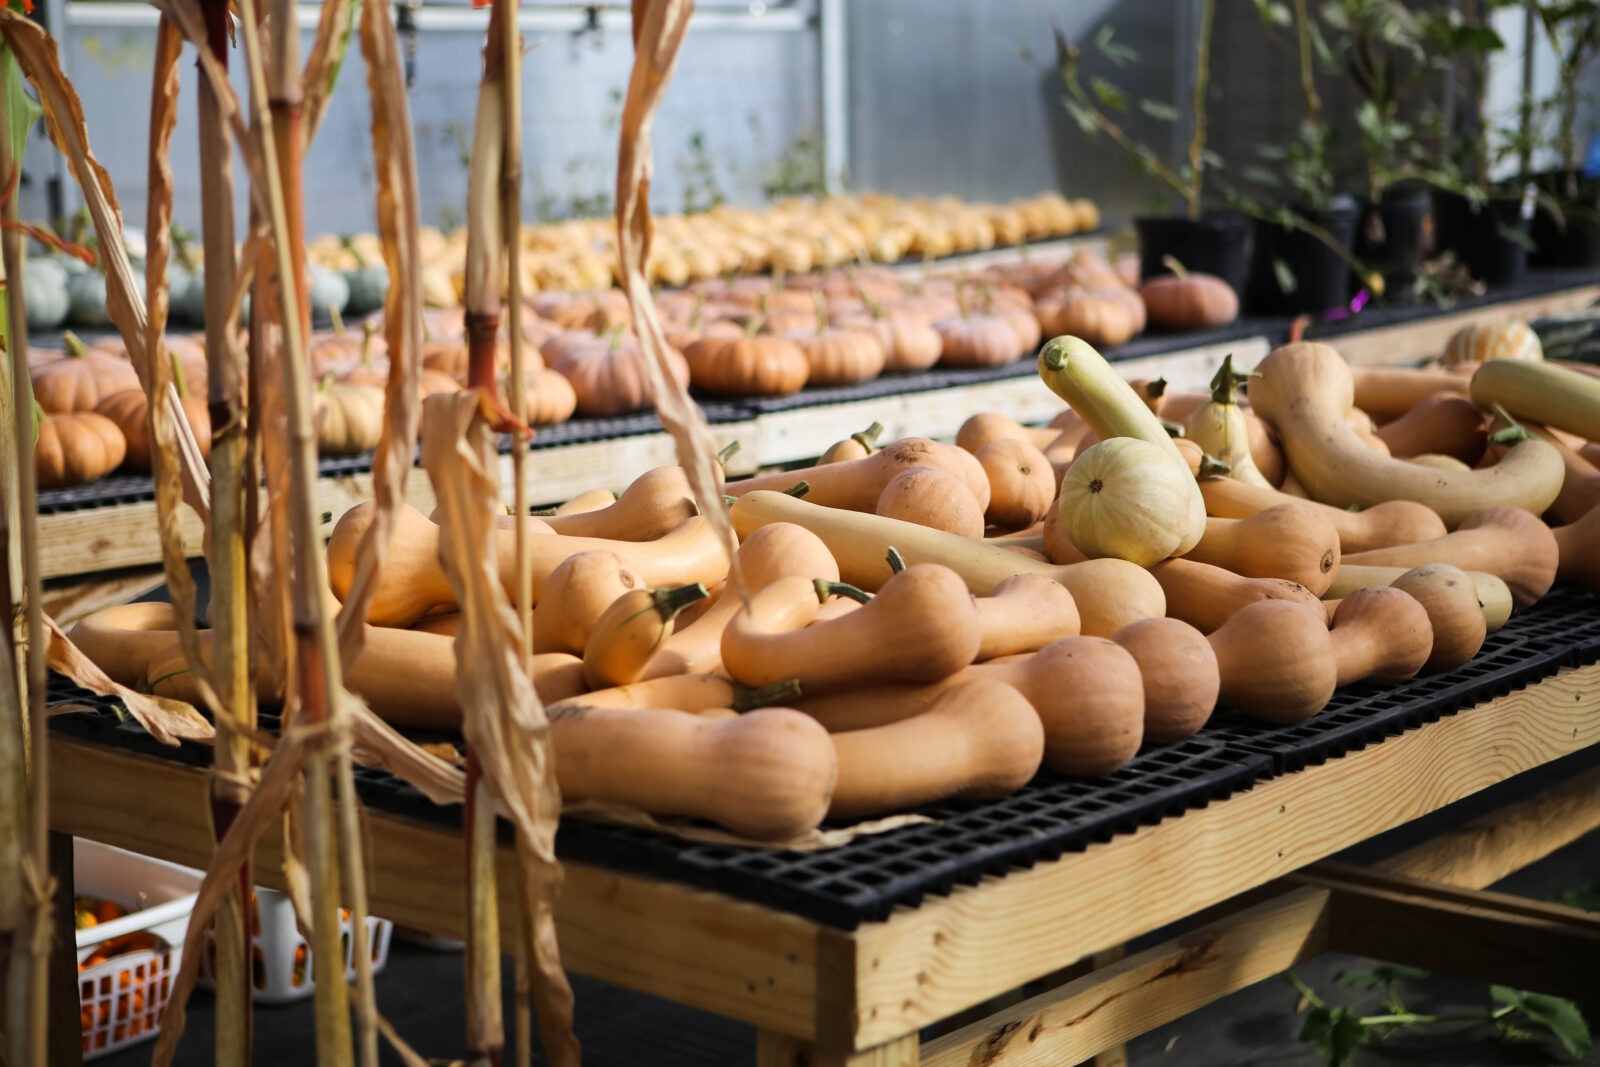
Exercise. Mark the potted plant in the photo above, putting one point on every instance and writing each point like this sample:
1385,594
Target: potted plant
1207,242
1302,259
1567,231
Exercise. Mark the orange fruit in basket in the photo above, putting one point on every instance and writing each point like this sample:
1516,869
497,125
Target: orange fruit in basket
82,920
99,955
106,910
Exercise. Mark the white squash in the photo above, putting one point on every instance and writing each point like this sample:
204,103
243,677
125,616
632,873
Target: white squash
1218,427
1480,342
1125,498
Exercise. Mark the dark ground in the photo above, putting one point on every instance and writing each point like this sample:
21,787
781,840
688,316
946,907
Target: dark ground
420,993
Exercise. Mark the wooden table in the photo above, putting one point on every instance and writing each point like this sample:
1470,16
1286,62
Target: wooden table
823,996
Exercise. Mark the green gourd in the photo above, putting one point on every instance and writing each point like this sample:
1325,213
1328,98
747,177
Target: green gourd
368,283
327,293
44,294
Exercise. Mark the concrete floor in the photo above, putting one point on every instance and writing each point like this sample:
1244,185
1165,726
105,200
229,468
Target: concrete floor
420,993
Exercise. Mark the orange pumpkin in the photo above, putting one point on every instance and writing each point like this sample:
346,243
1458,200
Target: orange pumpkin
129,410
977,341
1103,317
608,375
80,379
751,364
76,448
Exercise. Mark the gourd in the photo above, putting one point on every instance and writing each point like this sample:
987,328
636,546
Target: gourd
1219,428
858,445
1579,545
908,343
1179,673
1390,523
80,379
588,502
86,297
44,291
1189,301
1078,374
749,365
1305,389
1580,484
1276,661
1206,596
653,504
1024,613
349,418
1541,392
968,340
980,740
575,596
609,376
768,774
1290,541
1439,462
934,499
986,426
1506,542
1443,423
1090,696
839,356
76,448
1125,498
692,693
1455,617
1101,316
856,485
926,608
413,583
630,631
1493,594
1389,392
549,396
327,293
1480,342
1109,593
129,410
367,283
1380,634
122,640
1022,484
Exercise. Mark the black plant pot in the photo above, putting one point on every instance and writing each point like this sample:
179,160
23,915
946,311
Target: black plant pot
1477,234
1390,239
1575,245
1213,244
1320,276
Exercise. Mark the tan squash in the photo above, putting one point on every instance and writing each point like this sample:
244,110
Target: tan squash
752,364
1493,593
934,499
1276,661
858,484
1024,613
980,740
1290,541
1455,616
123,640
631,630
588,501
768,774
1179,673
75,448
1305,390
1393,522
1506,542
1022,484
1580,484
1206,596
988,426
348,418
1443,423
1389,392
1109,593
654,504
1578,544
1438,462
1480,342
858,445
693,693
1381,635
926,607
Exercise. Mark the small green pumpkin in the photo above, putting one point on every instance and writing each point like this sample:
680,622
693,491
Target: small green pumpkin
327,293
368,283
44,294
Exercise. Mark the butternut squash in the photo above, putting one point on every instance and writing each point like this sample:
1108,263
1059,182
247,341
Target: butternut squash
1445,423
1506,542
1178,670
1493,594
1578,544
1380,634
576,594
630,631
987,426
1206,596
1580,485
980,740
922,626
122,640
413,583
1109,593
1389,392
1439,461
1541,392
768,774
933,499
1455,616
694,693
1023,614
1290,541
446,624
1305,389
1219,429
590,500
857,484
1022,484
653,505
1276,661
1393,522
858,445
1054,542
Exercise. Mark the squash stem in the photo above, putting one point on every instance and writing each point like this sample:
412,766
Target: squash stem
728,451
826,589
1227,382
1156,388
337,318
868,438
1512,433
746,698
76,349
798,489
1212,467
671,601
897,562
1174,429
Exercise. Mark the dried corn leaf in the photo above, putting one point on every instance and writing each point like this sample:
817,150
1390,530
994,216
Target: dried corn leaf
321,73
395,163
166,720
659,27
502,718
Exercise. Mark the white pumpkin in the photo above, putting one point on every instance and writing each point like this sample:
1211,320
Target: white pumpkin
1483,341
1125,498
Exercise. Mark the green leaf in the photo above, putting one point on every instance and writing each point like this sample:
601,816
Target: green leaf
1585,897
1106,44
22,111
1562,1018
1081,115
1158,110
1334,1033
1287,282
1108,94
1260,175
1273,13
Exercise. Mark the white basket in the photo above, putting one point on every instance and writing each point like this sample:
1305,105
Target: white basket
121,998
281,959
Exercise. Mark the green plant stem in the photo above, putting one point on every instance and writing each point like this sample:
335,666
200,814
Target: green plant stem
1202,82
826,589
1308,74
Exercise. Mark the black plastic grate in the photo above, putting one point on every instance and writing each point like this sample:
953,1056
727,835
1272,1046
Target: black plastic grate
868,878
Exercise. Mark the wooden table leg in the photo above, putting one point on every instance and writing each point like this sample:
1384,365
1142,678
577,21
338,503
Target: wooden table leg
780,1050
1116,1055
66,1028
